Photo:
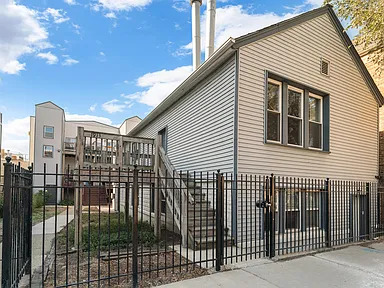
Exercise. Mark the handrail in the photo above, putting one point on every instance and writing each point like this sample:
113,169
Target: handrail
177,179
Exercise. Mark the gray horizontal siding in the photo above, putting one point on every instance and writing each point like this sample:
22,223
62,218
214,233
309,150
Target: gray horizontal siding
201,124
295,54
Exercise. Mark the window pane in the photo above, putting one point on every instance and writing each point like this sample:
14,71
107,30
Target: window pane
48,151
315,140
314,109
294,131
294,103
273,97
48,132
312,218
273,129
291,200
312,200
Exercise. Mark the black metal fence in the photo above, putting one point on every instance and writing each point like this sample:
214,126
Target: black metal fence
133,227
17,228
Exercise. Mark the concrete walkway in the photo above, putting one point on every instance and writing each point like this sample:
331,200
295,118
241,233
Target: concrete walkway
49,235
355,266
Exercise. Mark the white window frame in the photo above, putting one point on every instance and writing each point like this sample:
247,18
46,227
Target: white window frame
53,150
280,84
301,91
53,134
321,121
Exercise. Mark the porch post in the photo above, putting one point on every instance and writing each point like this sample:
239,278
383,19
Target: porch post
78,191
157,191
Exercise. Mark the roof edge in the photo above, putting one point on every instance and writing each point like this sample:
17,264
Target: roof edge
188,84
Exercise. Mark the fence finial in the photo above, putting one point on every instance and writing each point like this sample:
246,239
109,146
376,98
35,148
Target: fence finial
8,159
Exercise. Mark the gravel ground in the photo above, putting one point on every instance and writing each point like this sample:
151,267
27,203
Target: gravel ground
115,267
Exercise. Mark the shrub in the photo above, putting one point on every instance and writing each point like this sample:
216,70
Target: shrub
66,202
38,199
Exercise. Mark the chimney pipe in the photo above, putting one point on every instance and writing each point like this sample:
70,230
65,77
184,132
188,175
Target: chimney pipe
196,41
210,28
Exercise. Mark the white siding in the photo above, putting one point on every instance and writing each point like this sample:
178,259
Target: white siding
295,54
201,124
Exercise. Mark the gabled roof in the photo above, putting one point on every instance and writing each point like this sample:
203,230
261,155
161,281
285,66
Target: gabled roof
51,103
229,47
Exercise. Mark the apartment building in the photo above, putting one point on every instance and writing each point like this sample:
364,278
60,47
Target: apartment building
52,146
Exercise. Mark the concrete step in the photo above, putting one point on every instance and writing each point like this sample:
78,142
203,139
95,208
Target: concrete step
203,219
203,231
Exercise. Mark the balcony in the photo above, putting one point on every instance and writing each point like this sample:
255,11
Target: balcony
70,145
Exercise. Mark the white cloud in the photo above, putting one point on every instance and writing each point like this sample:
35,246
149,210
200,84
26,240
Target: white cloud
51,58
58,15
101,53
121,5
21,34
92,108
159,85
85,117
70,2
15,135
114,106
110,15
69,61
181,5
76,28
235,21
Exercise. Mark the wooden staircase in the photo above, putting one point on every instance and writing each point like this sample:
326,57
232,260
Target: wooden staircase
200,232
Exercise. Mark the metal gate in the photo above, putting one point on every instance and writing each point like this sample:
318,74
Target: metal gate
17,225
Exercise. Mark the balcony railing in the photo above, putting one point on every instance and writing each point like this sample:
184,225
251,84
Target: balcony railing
70,144
104,149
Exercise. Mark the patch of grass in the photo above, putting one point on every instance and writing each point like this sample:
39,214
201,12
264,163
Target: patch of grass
110,235
66,202
38,199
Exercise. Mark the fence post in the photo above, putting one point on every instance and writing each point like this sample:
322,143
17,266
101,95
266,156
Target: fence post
135,222
272,217
29,233
368,189
267,218
219,221
328,210
7,237
157,222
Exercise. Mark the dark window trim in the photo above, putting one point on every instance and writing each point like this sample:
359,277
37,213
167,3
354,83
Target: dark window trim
165,129
53,134
284,123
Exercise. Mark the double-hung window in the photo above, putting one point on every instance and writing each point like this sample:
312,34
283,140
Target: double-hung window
295,116
48,132
274,111
315,107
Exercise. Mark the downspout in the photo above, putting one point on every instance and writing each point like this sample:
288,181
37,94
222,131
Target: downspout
235,148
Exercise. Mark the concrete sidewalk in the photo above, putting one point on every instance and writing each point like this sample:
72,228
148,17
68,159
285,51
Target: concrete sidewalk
355,266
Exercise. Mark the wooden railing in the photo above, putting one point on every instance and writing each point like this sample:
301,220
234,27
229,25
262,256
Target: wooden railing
113,150
175,192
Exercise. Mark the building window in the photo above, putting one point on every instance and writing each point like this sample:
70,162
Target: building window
295,116
274,111
315,104
48,151
312,209
48,132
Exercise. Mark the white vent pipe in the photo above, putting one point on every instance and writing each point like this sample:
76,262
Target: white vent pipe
196,41
210,28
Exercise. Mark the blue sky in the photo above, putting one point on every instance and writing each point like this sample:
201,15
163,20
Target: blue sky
107,59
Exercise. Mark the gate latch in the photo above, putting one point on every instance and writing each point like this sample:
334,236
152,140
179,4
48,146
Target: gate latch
263,204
